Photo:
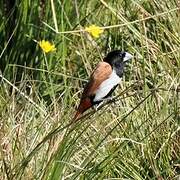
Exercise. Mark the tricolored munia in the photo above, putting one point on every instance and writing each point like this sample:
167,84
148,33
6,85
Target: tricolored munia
103,81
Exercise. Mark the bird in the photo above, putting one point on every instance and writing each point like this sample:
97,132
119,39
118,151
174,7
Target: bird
103,81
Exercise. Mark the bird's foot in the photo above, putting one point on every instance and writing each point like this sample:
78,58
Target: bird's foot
106,100
96,106
110,99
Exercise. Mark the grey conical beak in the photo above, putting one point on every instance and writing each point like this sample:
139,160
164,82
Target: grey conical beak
127,56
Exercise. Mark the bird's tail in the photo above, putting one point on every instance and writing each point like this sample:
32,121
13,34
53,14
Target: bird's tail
83,106
76,116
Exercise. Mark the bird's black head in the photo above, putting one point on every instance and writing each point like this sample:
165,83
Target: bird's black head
117,60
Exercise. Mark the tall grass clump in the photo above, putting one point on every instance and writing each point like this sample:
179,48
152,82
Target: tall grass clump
135,137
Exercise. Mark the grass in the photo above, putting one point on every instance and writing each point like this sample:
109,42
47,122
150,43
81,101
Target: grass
137,137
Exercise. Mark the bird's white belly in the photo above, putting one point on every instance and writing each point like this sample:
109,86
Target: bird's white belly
106,86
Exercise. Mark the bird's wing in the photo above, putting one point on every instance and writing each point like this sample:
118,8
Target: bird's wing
102,72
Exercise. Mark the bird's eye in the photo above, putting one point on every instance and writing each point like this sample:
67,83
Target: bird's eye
123,54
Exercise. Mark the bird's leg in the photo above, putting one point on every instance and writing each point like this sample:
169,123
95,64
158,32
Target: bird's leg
110,98
96,106
104,101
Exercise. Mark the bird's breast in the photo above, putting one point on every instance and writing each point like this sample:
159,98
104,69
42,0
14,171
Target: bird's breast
106,86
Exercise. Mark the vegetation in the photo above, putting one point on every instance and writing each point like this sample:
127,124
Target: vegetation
135,137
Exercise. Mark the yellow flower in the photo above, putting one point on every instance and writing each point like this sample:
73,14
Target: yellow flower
46,46
94,30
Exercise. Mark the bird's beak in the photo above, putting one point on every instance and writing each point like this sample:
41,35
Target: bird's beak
127,57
